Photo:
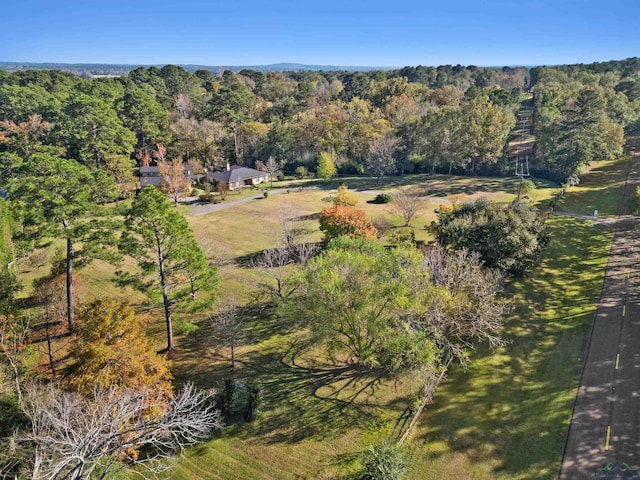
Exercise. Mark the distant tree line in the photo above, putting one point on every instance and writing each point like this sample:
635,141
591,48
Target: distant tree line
430,119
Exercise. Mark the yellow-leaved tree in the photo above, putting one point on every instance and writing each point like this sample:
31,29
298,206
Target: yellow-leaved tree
111,350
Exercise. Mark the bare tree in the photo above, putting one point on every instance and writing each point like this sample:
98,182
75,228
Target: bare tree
273,263
407,203
272,167
144,158
475,317
294,231
303,252
229,323
13,337
174,181
380,160
73,437
160,155
183,105
222,188
293,228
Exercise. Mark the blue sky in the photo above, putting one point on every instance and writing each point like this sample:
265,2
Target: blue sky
347,32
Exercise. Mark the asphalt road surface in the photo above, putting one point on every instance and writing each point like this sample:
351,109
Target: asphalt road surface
605,426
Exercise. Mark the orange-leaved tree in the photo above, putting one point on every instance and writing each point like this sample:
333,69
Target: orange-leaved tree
340,220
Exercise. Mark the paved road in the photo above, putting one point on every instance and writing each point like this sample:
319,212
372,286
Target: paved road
201,209
605,426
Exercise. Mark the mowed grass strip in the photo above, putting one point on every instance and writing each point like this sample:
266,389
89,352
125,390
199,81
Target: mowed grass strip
601,188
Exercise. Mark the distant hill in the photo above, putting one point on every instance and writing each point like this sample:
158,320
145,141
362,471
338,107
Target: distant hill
98,70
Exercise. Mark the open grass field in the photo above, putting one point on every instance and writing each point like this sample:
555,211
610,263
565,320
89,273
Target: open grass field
504,417
6,254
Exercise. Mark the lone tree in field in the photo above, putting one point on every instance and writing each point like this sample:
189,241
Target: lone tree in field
229,324
272,167
159,237
356,298
407,203
510,238
339,220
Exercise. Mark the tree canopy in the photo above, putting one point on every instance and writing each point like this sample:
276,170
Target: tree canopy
510,238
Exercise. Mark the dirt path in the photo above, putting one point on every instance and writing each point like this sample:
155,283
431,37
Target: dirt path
605,425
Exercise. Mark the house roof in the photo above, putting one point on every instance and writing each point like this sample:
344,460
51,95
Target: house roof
237,173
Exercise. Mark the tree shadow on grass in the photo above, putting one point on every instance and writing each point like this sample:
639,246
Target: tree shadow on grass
600,189
514,405
308,401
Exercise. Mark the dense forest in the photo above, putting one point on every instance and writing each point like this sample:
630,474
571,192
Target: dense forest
416,119
70,152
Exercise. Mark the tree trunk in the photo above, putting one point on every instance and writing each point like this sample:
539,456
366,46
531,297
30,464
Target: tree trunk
235,144
430,390
49,342
520,187
69,269
50,351
233,354
165,300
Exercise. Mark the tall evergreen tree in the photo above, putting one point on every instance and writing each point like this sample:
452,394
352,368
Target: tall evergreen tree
55,197
173,265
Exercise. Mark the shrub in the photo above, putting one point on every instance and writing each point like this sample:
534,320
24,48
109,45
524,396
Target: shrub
382,198
301,172
254,404
229,397
510,238
341,220
526,187
384,461
208,197
402,236
344,197
265,194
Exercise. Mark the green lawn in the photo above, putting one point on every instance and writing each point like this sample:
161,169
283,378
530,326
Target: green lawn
504,417
601,188
6,253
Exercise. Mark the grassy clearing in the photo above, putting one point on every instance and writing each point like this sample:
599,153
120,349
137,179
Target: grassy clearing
505,417
6,252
